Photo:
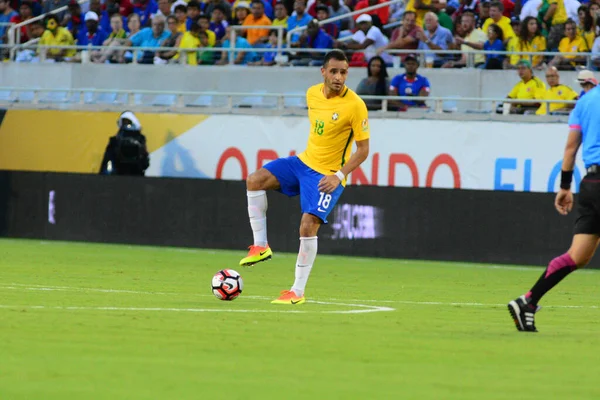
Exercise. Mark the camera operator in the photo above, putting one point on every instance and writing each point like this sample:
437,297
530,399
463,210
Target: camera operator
126,153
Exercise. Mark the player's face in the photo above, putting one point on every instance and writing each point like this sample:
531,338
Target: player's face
334,74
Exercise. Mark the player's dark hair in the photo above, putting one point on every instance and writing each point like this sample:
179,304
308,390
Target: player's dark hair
335,55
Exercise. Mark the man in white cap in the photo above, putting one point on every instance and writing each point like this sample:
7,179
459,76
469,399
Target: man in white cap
368,38
92,34
587,81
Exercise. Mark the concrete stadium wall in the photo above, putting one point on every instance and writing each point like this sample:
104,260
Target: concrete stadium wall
414,223
446,82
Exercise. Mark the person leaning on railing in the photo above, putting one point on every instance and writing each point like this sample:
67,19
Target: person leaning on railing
555,91
571,43
116,37
474,40
526,89
56,35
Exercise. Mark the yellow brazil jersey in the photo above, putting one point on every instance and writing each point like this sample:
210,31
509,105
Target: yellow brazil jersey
538,43
576,45
335,124
420,13
588,37
504,24
62,37
189,41
558,92
560,15
527,91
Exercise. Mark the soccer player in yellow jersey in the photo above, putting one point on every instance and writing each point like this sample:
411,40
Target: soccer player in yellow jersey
338,117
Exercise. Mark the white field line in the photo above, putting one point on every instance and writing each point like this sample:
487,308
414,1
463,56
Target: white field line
354,308
19,286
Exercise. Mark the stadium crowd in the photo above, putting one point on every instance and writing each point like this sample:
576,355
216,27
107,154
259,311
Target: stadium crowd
561,26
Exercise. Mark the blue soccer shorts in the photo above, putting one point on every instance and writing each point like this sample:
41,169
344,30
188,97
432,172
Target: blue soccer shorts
297,178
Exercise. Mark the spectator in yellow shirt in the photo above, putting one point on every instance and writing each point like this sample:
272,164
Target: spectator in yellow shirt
189,44
204,22
556,91
56,35
181,15
496,17
571,43
526,89
529,39
586,27
554,20
257,18
281,15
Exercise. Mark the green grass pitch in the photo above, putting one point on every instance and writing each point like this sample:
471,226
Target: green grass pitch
88,321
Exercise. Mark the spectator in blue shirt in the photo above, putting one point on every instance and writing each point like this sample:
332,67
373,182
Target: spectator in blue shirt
194,9
150,37
313,38
299,18
92,34
434,37
410,83
6,13
268,57
239,57
74,18
495,42
331,28
219,22
145,9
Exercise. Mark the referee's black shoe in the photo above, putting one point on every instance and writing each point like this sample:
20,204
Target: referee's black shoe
523,314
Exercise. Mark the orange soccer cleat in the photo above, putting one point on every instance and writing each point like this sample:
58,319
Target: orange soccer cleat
256,255
289,297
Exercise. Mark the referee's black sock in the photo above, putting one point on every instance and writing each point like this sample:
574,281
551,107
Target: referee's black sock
557,270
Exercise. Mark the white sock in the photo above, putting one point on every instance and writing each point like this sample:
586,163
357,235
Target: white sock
257,211
304,263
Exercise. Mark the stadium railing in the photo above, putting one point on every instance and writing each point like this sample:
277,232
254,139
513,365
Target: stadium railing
14,32
343,16
228,101
590,57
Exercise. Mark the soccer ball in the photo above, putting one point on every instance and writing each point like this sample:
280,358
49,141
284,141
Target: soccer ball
227,284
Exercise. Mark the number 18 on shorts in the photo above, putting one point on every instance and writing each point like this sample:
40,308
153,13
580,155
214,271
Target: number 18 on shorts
296,178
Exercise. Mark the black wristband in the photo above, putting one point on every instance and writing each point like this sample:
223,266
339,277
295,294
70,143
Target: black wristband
565,179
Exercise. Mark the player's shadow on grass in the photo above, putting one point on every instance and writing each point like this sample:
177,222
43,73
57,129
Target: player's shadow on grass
178,161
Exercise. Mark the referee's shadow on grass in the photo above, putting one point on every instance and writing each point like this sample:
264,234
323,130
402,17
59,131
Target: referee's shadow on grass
178,162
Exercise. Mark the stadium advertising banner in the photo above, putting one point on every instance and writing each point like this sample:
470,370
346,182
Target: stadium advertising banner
417,153
404,153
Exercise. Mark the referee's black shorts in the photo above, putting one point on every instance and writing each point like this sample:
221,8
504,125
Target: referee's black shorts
588,205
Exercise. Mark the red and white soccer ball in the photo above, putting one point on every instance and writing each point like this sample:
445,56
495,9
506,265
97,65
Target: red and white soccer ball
227,284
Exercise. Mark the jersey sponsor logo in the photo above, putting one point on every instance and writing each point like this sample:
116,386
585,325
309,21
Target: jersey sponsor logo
365,124
335,116
319,209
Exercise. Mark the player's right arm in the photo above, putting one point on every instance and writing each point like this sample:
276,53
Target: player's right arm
564,197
